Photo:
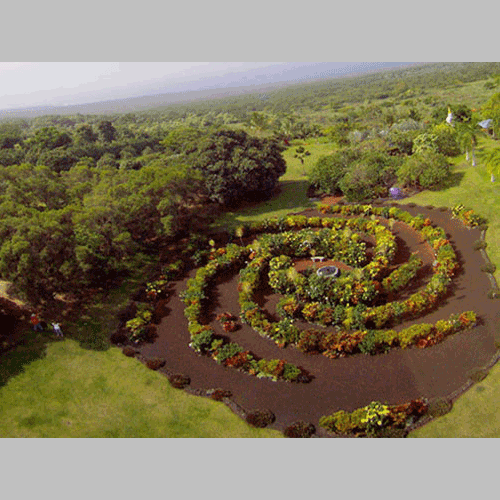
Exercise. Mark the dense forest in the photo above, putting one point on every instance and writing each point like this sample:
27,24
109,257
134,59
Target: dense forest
83,196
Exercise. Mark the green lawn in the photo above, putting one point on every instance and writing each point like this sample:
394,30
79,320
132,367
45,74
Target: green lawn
74,392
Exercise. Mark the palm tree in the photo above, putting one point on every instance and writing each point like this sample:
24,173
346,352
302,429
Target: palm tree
467,138
492,160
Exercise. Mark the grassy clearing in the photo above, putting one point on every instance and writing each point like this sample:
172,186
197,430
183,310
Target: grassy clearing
74,392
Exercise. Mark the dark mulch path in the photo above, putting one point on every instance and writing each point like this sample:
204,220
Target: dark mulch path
352,382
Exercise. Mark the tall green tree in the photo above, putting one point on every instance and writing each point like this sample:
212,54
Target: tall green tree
38,256
106,131
467,138
492,161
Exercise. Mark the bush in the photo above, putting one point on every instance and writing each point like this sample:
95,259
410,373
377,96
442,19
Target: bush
441,139
489,268
480,245
291,372
327,172
423,170
227,351
119,337
439,407
391,432
300,429
129,351
218,394
478,374
260,418
155,363
202,341
369,177
179,381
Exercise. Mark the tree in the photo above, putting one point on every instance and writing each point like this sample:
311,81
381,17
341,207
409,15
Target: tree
423,170
47,138
84,133
38,257
467,138
492,161
182,140
491,110
235,165
106,130
300,154
329,170
259,121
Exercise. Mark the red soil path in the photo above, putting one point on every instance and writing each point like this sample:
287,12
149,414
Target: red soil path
351,382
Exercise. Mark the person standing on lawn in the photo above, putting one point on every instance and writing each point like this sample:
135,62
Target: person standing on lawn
37,327
57,329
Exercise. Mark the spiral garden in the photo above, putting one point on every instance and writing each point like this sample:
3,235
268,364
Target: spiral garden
372,307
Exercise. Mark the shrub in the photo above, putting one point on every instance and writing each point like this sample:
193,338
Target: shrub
150,332
371,176
291,372
423,170
299,429
260,418
227,351
480,245
440,139
392,432
271,367
327,172
478,374
202,341
219,394
375,418
119,337
179,381
489,268
155,363
129,351
439,407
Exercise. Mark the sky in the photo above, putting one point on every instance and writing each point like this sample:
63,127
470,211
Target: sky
28,84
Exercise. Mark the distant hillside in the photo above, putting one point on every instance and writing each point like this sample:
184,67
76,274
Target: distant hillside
271,79
286,96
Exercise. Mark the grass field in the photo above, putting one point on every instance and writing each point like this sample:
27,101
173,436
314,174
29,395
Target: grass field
74,392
